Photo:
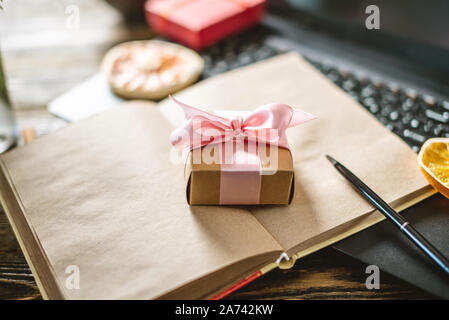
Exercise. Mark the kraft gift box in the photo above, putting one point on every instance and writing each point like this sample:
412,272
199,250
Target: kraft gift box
200,23
275,186
238,157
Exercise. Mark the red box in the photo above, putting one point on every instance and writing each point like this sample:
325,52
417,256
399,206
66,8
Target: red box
200,23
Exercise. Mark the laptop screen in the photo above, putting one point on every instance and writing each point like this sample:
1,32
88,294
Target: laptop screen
415,29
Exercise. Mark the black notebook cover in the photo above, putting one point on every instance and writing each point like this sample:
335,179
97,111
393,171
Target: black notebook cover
385,246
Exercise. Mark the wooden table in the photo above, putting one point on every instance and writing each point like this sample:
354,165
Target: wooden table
45,54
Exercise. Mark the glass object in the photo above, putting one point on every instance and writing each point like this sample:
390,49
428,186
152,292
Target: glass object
8,135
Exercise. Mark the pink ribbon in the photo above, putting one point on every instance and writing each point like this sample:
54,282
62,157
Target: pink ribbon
240,179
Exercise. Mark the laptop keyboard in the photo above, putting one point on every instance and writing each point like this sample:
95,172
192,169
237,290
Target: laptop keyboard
412,116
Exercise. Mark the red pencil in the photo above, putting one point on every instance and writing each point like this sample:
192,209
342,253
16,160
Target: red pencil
245,281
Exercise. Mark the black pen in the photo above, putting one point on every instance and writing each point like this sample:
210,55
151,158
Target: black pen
398,220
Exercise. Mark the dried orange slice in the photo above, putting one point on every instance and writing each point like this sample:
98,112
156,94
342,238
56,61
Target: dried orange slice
150,69
434,161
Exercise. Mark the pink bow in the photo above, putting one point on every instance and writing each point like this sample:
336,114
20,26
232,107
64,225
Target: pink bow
267,124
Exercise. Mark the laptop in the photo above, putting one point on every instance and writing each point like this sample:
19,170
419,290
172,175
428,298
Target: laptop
399,73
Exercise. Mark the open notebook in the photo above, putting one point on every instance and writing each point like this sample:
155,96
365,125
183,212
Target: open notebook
103,195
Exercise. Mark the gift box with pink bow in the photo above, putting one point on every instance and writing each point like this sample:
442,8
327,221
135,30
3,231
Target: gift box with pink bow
238,158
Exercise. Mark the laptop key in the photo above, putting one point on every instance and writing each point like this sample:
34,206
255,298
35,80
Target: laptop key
414,136
441,117
348,85
414,124
408,105
373,108
394,116
368,91
438,130
407,118
369,101
427,127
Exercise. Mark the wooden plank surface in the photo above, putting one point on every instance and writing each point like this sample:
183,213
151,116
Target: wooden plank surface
44,58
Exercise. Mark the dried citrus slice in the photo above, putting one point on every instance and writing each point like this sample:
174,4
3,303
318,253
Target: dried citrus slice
434,161
150,69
